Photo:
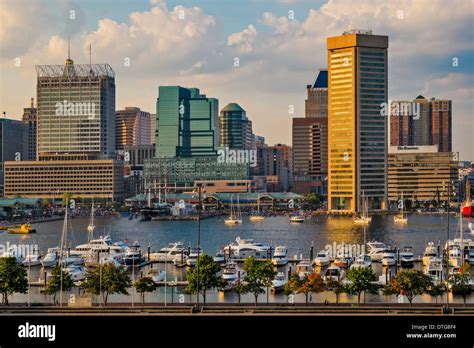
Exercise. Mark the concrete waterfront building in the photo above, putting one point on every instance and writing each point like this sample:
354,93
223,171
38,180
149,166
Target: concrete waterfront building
357,132
421,173
76,109
236,128
277,162
51,179
309,134
13,144
188,123
132,127
30,120
421,122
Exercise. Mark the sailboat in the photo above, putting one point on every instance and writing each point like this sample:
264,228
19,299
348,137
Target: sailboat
233,219
258,216
401,218
363,218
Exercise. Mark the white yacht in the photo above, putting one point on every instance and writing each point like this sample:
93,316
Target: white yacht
279,256
304,268
230,272
133,255
72,259
219,257
77,273
51,258
243,248
455,258
32,260
101,244
279,282
362,261
322,258
407,258
435,270
389,258
430,251
156,275
333,273
192,257
376,250
173,252
297,218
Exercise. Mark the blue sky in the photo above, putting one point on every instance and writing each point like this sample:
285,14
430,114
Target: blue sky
278,56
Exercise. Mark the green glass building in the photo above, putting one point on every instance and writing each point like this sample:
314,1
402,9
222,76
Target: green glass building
236,128
187,123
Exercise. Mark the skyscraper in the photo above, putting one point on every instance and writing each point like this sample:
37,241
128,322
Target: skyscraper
187,123
236,128
132,127
310,140
422,122
357,132
76,110
30,120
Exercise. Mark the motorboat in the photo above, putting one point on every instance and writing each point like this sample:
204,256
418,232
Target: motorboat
51,258
389,258
297,218
343,261
133,255
32,260
230,272
362,261
219,257
407,258
193,256
333,273
173,252
304,268
22,229
376,250
435,270
322,258
243,248
72,259
279,256
103,244
430,252
77,273
156,275
375,246
454,256
279,282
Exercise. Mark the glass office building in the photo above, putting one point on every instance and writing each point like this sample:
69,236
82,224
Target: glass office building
236,128
357,132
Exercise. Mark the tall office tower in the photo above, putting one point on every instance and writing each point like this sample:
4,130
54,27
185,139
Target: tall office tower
13,140
441,127
236,128
421,122
357,131
277,161
132,127
76,110
187,123
153,128
29,119
310,151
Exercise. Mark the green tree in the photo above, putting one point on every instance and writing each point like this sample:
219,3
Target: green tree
13,278
143,285
54,284
259,276
208,277
313,198
460,285
107,280
361,280
337,287
410,284
437,291
293,284
311,283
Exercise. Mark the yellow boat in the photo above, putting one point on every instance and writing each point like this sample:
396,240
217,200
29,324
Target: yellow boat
23,229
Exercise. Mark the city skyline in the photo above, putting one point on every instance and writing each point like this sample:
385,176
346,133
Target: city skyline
278,56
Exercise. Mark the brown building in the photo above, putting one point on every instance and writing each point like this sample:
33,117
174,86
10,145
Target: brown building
132,127
310,140
421,122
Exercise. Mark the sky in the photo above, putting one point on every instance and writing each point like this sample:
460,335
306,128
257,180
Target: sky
279,45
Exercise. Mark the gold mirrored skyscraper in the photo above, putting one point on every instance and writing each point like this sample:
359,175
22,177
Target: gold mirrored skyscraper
357,131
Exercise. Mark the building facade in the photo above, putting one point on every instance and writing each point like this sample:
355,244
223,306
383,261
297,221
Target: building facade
235,128
277,162
30,120
310,141
132,127
421,122
421,174
188,123
357,132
